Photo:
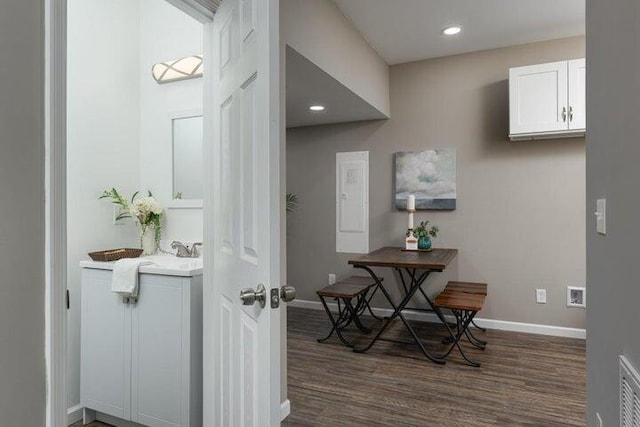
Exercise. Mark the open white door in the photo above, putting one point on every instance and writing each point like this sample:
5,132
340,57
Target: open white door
243,210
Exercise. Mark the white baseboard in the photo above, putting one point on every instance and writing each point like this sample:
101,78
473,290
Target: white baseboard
285,409
74,414
503,325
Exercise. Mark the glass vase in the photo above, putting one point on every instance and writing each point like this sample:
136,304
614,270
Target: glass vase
148,241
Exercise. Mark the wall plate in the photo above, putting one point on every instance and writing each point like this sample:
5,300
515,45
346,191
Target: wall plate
576,296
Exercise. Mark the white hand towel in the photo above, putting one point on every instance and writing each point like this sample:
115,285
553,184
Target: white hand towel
125,276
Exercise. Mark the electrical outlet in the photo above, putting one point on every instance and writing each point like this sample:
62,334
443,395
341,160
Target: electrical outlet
598,420
541,296
332,279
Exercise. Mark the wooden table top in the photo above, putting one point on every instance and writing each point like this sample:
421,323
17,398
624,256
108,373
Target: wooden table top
437,259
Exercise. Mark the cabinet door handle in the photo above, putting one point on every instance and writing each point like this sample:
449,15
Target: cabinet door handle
570,114
564,114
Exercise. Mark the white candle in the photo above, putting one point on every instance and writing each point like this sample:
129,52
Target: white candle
411,203
411,220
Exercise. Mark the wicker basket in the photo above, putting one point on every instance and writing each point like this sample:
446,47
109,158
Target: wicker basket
115,254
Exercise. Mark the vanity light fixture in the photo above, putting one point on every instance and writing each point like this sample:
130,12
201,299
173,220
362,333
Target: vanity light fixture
451,31
316,108
185,68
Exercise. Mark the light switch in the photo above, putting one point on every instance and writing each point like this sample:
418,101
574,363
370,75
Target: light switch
601,216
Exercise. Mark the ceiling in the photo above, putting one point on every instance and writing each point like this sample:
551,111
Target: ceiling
307,85
410,30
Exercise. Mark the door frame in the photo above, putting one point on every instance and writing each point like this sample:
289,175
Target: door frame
55,183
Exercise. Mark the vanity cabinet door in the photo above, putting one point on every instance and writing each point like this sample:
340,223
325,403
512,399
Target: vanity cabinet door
160,352
106,347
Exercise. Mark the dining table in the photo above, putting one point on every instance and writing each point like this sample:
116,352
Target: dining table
413,268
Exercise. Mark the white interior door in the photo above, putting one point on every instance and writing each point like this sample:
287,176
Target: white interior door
243,208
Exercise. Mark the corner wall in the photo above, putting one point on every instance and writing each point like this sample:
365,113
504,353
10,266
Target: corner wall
519,224
22,214
319,31
613,152
102,141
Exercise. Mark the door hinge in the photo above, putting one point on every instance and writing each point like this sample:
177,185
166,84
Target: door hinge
275,298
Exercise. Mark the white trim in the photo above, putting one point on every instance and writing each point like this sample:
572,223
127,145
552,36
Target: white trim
55,210
74,414
208,344
502,325
55,133
285,409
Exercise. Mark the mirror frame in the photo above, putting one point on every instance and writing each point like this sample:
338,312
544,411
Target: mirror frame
181,203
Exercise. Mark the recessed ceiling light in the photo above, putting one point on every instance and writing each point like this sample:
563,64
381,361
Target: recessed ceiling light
451,31
316,108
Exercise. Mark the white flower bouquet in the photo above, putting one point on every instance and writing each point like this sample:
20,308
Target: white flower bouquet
145,210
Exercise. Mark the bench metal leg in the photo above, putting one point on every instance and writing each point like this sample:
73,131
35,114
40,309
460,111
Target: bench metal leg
336,324
473,322
463,321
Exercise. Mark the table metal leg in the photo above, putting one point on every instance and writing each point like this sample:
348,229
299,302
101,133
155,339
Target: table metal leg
397,312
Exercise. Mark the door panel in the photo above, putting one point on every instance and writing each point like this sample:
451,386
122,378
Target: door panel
577,91
538,98
160,356
242,386
106,340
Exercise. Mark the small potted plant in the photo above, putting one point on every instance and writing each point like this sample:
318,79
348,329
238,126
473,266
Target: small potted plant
424,233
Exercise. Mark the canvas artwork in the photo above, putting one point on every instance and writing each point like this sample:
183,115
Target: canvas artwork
430,176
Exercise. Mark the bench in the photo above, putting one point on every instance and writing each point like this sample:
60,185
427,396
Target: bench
355,288
470,288
465,302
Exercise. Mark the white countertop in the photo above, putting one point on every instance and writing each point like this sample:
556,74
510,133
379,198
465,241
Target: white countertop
162,264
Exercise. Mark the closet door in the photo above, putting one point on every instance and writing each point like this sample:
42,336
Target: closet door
538,98
577,90
160,352
106,352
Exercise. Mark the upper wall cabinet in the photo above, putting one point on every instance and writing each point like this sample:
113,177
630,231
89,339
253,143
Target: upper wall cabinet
547,100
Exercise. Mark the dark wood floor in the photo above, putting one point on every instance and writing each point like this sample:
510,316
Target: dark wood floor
525,380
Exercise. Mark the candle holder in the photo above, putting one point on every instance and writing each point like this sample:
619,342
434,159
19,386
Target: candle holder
411,242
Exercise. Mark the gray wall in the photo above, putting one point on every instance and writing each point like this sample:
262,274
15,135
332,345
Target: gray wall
22,366
319,31
613,152
520,219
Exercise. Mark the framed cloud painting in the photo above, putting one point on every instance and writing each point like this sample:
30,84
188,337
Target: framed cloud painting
430,176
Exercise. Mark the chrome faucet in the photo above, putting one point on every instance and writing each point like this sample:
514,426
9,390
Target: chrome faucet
183,251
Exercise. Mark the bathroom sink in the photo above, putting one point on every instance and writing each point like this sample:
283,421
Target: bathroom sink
173,262
166,265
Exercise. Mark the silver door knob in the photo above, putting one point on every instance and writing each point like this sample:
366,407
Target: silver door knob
249,296
287,293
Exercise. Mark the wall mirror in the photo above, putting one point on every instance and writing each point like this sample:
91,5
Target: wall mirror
187,169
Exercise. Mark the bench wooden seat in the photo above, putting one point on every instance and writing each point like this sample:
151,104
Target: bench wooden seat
342,290
455,300
470,288
464,305
467,287
352,288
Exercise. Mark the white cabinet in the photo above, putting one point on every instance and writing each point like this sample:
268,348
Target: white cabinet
547,100
142,362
